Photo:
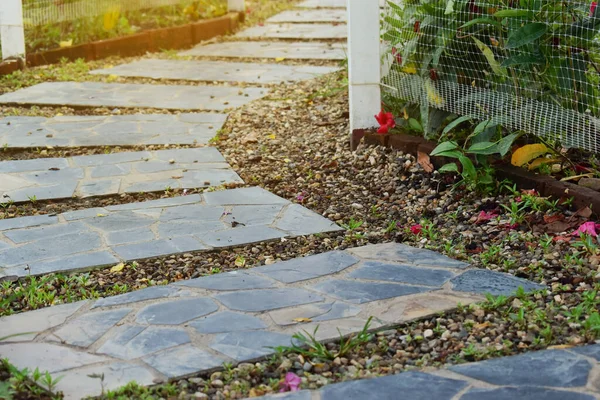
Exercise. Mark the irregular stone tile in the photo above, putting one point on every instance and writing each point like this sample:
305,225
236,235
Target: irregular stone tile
243,196
378,271
300,395
523,393
294,31
192,212
39,164
48,177
110,159
49,248
364,292
150,293
131,342
496,283
204,178
32,234
253,215
180,228
183,361
300,269
267,299
175,312
243,346
85,330
56,191
291,50
46,356
26,222
193,155
227,321
168,202
36,321
132,236
298,220
99,187
103,171
550,368
234,280
327,330
219,71
243,235
309,16
134,95
121,221
151,186
398,252
161,247
409,385
314,312
77,383
592,351
69,263
86,213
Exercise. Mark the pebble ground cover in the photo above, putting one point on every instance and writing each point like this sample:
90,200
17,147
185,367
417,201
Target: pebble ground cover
294,144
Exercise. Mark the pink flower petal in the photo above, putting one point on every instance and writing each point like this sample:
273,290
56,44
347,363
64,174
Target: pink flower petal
587,228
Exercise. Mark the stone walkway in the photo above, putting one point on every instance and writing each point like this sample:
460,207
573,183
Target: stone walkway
101,236
195,325
309,16
106,174
571,374
116,130
296,31
292,50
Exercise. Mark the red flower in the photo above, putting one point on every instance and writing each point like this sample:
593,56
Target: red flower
417,26
416,229
593,7
397,54
485,216
386,121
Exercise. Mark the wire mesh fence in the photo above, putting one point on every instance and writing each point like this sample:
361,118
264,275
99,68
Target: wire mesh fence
530,65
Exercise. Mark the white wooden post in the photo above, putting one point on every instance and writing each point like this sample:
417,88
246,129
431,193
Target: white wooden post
363,63
236,5
11,29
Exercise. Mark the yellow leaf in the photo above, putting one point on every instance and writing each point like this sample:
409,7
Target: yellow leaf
118,268
410,69
538,162
108,66
272,136
58,114
405,114
278,59
527,153
100,215
432,94
287,160
66,43
240,261
109,20
302,320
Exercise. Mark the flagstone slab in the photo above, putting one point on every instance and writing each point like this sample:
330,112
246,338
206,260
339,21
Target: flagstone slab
295,31
82,239
273,50
217,71
309,16
130,95
196,325
116,130
334,3
109,174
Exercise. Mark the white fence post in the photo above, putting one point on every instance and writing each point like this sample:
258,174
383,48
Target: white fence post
236,5
11,29
364,73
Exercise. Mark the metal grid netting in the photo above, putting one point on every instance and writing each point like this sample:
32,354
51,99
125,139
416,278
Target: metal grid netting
42,12
532,65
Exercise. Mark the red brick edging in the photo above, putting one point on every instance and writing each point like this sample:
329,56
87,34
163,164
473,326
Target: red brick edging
133,45
545,185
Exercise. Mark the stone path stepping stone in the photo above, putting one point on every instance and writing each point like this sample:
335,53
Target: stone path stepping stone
292,50
117,130
194,325
102,236
174,97
309,16
296,31
218,71
550,375
333,3
106,174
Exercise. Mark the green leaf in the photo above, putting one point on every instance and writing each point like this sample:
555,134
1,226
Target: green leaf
449,7
526,34
476,21
455,123
450,153
524,59
469,171
415,125
444,146
450,167
485,148
513,14
489,55
506,143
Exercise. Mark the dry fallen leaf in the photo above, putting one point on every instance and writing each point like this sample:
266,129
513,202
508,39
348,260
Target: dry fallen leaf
118,268
66,43
424,161
279,59
529,152
100,215
538,162
302,320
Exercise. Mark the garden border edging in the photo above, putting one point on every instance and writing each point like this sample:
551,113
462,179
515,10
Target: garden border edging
545,185
153,40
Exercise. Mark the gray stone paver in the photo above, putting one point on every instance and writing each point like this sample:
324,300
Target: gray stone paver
219,71
196,325
82,240
108,174
137,129
309,16
295,31
272,50
174,97
484,281
333,3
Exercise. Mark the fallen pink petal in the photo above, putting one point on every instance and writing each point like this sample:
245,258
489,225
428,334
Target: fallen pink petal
291,383
587,228
416,229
